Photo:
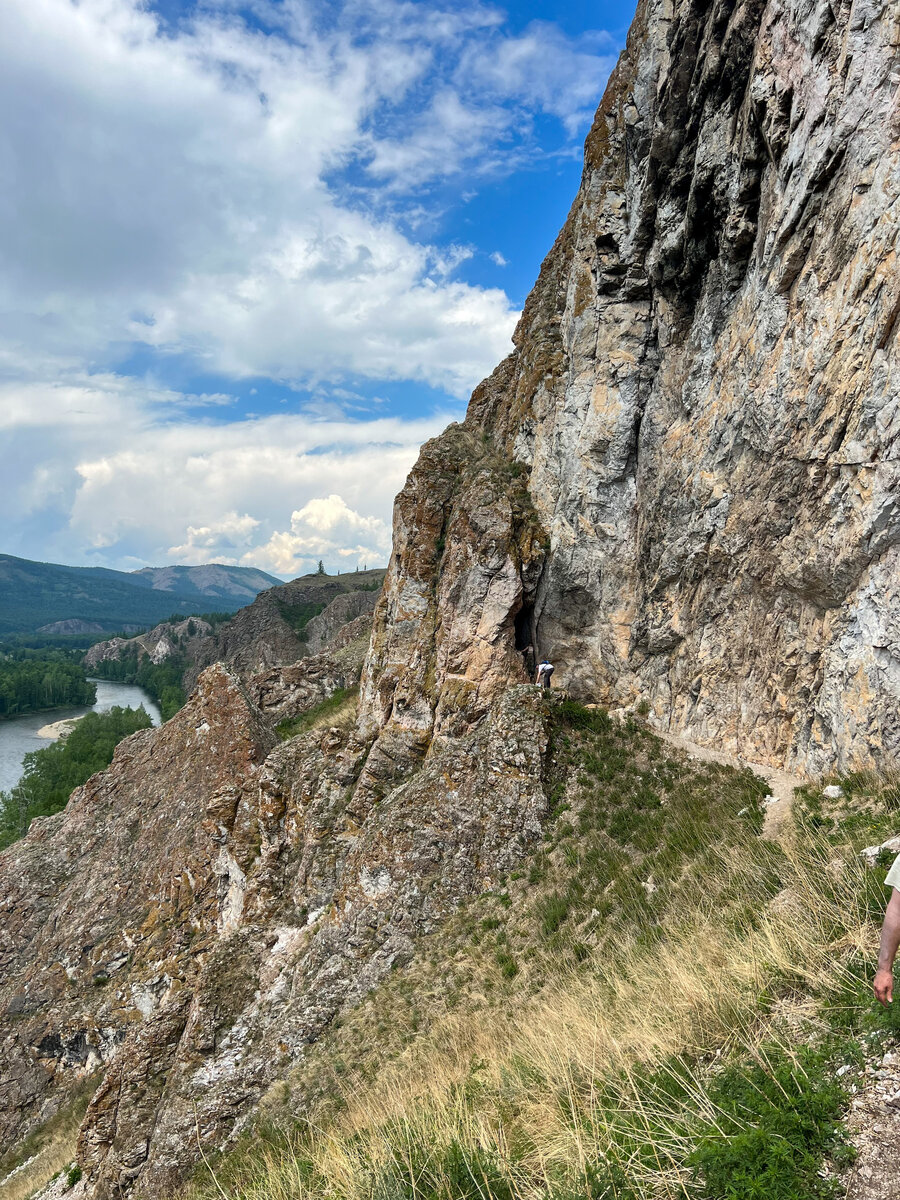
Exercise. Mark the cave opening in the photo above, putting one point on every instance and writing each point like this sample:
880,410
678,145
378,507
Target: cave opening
524,621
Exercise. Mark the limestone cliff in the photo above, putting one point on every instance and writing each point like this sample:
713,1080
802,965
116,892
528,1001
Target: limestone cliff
285,623
159,644
703,404
680,485
202,910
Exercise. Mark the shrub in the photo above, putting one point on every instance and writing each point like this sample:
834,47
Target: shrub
776,1120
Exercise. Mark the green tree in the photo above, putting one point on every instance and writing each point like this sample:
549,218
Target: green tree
31,681
53,773
320,570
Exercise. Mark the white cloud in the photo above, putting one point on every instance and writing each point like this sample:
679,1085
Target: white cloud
178,187
544,69
245,197
326,528
119,476
498,259
216,542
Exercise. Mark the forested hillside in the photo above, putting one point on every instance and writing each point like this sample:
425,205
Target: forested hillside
35,681
34,595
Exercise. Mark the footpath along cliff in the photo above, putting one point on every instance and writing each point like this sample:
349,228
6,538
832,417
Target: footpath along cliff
681,485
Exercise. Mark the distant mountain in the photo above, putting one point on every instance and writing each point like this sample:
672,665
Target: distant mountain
213,579
34,594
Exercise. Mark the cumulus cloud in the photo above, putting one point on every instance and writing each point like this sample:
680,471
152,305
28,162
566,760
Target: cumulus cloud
241,195
181,187
326,528
103,474
543,69
216,542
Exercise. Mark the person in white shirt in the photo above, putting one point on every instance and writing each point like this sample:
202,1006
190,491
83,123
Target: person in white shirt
544,671
883,984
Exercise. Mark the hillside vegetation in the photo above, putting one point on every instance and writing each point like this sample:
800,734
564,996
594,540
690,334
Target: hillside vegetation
31,681
659,1003
52,773
34,594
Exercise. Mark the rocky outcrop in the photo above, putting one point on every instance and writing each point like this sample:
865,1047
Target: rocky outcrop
345,618
680,486
71,626
108,907
202,910
703,401
285,692
278,627
158,644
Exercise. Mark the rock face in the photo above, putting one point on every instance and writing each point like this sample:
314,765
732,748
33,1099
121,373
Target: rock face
285,623
344,619
158,644
681,486
704,399
73,625
203,909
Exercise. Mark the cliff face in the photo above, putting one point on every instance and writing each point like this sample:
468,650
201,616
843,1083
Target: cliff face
285,623
158,644
703,401
680,486
202,910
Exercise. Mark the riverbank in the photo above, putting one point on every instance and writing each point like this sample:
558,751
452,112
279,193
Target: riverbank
58,729
21,734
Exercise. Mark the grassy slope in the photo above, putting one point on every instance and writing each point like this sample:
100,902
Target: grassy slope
654,1005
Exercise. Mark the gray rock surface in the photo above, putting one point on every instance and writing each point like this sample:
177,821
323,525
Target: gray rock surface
158,644
203,909
328,627
681,486
704,399
266,633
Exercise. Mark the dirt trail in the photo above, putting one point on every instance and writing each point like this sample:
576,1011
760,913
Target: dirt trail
873,1121
781,783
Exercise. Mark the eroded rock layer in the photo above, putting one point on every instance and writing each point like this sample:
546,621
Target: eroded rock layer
204,908
680,486
704,401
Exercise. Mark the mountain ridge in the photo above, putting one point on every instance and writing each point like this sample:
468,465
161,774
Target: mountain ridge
682,487
36,594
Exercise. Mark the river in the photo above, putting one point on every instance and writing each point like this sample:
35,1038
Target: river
18,735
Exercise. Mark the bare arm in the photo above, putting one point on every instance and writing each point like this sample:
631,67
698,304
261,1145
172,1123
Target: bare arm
890,940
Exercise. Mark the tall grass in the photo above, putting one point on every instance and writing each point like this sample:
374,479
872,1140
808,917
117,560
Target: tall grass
612,1083
49,1150
339,709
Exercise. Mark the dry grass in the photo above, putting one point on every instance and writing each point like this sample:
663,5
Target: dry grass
591,1068
46,1152
340,709
341,717
552,1089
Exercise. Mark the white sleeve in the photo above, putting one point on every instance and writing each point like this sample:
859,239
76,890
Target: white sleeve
892,879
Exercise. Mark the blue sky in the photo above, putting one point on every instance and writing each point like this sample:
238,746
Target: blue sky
252,255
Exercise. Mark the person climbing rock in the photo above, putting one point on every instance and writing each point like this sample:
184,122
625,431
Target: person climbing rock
883,984
544,671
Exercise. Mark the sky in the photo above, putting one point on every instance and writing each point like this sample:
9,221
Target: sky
252,255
